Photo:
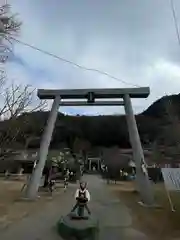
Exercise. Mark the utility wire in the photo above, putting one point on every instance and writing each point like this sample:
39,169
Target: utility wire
73,63
175,20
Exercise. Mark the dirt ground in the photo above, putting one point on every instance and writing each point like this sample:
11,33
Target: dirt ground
115,221
159,223
13,208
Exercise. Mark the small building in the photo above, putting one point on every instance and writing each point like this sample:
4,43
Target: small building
14,160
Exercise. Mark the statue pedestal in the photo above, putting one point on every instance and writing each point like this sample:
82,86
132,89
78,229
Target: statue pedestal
78,228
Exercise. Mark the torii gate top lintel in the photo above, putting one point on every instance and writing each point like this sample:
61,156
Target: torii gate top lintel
142,92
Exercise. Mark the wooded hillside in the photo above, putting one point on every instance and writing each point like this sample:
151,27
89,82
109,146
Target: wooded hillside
155,125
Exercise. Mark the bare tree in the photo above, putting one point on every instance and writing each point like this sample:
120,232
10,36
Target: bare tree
17,99
9,28
10,23
2,78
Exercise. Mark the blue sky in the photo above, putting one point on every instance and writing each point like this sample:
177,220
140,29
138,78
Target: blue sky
132,40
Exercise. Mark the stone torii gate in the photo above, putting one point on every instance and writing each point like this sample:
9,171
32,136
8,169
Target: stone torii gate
88,97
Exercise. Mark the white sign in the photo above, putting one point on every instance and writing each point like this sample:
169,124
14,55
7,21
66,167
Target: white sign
171,178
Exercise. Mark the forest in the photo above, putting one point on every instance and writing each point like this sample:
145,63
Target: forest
155,124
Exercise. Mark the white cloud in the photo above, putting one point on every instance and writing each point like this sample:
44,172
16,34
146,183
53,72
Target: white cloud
131,40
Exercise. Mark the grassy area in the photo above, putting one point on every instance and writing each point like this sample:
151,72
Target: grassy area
12,208
159,223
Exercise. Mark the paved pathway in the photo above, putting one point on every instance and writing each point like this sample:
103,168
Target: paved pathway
115,220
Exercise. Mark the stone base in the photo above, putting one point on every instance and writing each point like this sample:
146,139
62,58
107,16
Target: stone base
29,199
149,206
78,228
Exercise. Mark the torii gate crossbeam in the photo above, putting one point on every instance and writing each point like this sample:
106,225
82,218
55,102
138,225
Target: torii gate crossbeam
91,95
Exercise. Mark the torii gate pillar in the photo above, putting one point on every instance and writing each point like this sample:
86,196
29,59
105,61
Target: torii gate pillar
143,182
32,188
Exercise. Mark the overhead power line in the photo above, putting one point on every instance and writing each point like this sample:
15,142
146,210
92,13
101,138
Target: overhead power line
175,20
73,63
